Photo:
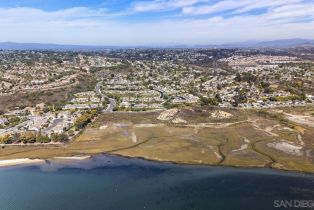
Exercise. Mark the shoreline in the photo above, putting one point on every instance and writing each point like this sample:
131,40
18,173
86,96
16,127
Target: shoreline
211,165
37,161
20,162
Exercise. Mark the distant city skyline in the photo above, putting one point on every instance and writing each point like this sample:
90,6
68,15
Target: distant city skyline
154,22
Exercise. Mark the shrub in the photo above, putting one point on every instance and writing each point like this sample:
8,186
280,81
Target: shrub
42,139
59,137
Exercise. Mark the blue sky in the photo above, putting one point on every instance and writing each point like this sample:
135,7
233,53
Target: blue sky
154,22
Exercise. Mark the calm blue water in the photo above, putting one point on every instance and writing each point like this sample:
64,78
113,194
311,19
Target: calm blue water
107,182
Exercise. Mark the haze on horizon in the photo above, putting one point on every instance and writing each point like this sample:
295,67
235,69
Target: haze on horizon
154,22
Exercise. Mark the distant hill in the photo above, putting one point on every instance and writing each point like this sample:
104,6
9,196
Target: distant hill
282,43
39,46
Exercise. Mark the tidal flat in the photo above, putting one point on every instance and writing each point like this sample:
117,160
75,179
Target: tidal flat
274,138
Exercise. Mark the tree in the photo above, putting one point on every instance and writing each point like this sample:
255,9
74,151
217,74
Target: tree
218,98
266,87
46,109
204,101
238,77
7,139
106,101
239,98
302,96
27,137
82,121
86,118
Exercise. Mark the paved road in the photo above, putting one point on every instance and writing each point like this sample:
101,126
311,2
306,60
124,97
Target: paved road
111,105
53,125
161,93
97,88
112,101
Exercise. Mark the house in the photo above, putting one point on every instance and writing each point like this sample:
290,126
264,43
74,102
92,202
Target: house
3,121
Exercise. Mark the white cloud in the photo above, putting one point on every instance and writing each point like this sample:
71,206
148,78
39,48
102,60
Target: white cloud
25,13
218,7
92,26
236,5
293,11
160,5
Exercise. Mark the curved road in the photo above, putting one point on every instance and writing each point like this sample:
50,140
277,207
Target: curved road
112,101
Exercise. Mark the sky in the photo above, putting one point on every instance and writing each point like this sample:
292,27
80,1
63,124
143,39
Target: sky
154,22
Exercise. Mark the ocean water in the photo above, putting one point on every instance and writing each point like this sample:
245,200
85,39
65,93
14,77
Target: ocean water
109,182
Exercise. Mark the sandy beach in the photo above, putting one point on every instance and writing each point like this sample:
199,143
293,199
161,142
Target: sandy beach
22,161
73,158
28,161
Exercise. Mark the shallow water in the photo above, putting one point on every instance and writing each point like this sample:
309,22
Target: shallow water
109,182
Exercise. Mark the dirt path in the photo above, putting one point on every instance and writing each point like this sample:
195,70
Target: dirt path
212,125
136,145
267,130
